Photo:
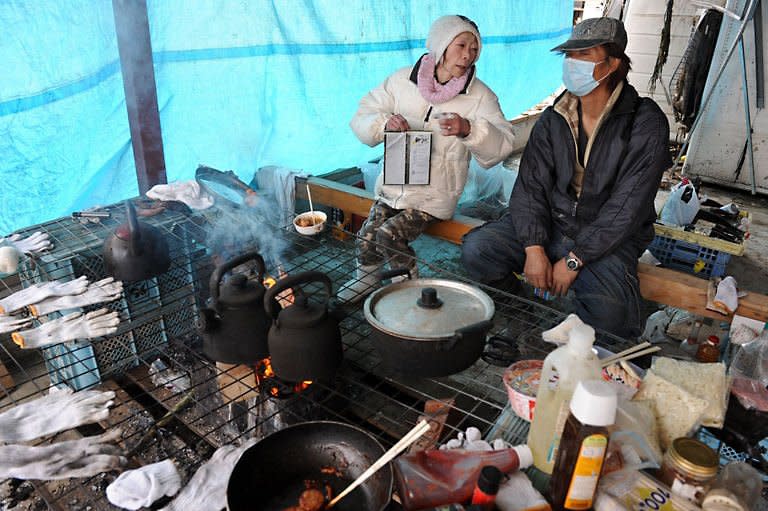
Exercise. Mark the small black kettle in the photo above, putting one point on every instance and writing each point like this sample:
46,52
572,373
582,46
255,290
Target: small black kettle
304,340
136,250
235,325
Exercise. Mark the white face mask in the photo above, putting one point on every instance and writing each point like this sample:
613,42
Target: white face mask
578,76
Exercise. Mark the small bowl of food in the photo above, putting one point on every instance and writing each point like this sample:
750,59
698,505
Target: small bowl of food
522,382
310,223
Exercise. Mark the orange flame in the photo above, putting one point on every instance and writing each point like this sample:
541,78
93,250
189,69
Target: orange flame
284,298
264,372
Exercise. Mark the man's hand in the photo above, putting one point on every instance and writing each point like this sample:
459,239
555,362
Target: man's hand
562,278
538,269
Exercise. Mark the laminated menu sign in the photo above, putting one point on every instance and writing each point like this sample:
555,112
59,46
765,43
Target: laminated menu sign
406,157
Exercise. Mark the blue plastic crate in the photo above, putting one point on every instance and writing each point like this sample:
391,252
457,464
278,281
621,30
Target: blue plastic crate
684,256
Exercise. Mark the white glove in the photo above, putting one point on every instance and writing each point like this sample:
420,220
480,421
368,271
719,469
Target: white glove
208,487
9,259
74,458
73,326
559,334
53,413
37,242
105,290
138,488
11,323
39,292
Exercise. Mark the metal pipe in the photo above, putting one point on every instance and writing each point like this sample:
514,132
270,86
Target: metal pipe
747,116
705,101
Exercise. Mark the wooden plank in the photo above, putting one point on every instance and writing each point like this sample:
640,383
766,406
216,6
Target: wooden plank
690,293
236,382
660,285
6,380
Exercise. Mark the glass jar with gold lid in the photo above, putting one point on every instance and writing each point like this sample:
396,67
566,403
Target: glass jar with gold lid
688,468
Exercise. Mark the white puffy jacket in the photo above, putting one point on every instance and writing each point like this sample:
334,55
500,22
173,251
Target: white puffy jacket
490,140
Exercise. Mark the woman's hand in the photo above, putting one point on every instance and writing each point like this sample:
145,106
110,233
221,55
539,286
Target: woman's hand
452,124
397,123
538,268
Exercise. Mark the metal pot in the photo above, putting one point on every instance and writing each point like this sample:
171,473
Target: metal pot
136,250
235,326
429,327
270,475
304,340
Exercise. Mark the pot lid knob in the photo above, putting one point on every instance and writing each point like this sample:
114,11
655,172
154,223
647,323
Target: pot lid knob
429,299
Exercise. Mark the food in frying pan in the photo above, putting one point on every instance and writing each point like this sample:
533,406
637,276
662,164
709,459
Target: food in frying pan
312,499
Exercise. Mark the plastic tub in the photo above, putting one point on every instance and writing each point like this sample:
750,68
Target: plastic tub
522,382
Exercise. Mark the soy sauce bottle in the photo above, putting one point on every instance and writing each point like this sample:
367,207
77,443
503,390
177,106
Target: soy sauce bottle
583,446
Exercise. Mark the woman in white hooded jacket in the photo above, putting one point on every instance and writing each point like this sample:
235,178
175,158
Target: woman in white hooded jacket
440,94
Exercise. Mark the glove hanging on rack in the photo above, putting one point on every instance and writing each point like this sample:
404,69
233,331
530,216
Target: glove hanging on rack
12,323
39,292
105,290
73,326
208,487
139,488
58,411
84,457
34,244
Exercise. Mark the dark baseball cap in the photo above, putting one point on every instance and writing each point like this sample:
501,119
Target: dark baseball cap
593,32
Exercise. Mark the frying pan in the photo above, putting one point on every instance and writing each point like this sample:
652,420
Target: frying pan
270,474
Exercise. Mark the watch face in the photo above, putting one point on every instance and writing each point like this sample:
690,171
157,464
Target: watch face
572,264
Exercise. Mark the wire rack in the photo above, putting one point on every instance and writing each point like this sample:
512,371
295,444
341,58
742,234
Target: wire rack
155,365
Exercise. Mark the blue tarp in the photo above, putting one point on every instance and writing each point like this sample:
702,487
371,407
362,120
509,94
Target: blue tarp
240,85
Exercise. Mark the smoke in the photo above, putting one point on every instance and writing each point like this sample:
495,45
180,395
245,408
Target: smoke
245,228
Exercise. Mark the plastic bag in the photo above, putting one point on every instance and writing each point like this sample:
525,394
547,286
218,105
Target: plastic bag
681,206
749,370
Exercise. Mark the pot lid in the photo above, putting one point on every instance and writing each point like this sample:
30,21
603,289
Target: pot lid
239,291
427,308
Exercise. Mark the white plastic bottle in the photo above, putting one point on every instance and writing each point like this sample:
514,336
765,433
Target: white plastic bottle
563,369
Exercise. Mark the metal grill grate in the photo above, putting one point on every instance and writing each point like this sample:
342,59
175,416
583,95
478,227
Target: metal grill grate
158,321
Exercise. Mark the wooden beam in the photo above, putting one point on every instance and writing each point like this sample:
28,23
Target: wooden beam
660,285
135,48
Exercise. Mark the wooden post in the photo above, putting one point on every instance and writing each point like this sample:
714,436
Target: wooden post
132,27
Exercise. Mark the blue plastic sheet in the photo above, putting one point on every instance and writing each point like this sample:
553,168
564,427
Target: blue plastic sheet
240,85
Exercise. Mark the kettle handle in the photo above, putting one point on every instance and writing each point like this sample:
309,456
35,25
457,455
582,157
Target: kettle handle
225,267
291,281
134,231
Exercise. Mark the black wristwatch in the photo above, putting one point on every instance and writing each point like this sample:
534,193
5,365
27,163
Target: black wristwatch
572,263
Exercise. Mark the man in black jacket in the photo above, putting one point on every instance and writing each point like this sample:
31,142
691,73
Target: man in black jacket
581,211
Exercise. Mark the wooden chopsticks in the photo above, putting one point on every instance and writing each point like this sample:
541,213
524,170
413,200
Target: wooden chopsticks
630,353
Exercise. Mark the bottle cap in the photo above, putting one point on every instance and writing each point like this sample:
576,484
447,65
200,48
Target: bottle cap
580,339
594,403
489,479
524,455
714,339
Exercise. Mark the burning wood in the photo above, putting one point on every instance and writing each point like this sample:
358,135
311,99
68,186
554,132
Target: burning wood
271,383
284,298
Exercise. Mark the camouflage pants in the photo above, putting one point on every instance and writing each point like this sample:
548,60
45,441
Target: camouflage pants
385,235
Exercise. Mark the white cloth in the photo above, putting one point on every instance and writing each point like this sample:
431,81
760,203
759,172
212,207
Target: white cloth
727,296
105,290
207,490
12,323
39,292
84,457
282,182
490,141
188,192
138,488
58,411
33,244
559,334
73,326
9,259
517,493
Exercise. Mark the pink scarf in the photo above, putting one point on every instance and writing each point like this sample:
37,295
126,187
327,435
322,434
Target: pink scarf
432,90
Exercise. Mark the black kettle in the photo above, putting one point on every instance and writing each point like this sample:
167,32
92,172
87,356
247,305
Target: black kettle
304,340
235,325
136,250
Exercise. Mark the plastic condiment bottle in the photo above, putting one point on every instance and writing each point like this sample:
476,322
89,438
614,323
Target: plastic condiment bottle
562,370
484,494
432,478
583,446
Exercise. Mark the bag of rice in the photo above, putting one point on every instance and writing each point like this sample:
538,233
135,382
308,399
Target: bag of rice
705,381
678,412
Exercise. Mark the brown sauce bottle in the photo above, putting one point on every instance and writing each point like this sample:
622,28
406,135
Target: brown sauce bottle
583,446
